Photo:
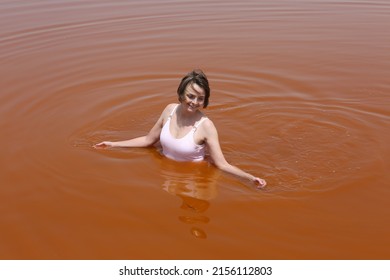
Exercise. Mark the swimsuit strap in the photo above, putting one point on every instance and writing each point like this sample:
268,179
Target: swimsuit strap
198,123
173,111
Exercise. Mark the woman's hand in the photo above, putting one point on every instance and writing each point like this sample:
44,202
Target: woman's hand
104,144
260,183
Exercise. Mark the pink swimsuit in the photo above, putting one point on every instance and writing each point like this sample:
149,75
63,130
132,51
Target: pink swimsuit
182,149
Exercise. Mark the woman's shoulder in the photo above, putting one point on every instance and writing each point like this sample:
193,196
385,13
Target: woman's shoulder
209,123
169,108
167,111
208,126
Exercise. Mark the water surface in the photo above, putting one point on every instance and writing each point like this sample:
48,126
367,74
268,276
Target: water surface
300,97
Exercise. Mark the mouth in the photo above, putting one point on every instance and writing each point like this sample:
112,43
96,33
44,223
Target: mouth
192,106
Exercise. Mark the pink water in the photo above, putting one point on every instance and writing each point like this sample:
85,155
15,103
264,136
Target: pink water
300,97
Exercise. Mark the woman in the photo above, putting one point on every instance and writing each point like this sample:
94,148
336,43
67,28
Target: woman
185,132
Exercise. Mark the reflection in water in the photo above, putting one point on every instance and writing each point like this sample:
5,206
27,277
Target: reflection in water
195,185
195,209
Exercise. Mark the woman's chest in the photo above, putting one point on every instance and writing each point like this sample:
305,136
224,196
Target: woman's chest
188,133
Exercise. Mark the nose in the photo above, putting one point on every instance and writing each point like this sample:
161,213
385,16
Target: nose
194,101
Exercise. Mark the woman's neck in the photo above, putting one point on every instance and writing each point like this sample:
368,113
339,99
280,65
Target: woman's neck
186,118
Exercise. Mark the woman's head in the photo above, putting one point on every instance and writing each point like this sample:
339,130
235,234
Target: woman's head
194,77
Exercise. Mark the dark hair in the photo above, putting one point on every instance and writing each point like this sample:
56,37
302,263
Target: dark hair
195,77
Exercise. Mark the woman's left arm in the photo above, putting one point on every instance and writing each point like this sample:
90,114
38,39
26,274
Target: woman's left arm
212,141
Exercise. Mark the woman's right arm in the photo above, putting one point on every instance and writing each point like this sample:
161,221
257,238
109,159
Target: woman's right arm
144,141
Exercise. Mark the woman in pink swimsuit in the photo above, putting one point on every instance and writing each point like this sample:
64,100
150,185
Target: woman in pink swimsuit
185,132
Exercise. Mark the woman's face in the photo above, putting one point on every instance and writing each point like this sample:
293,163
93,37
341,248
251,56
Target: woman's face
193,97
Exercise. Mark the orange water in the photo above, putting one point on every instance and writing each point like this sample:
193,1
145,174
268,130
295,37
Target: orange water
300,97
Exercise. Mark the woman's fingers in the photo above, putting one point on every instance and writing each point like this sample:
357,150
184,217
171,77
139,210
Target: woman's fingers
261,183
101,145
